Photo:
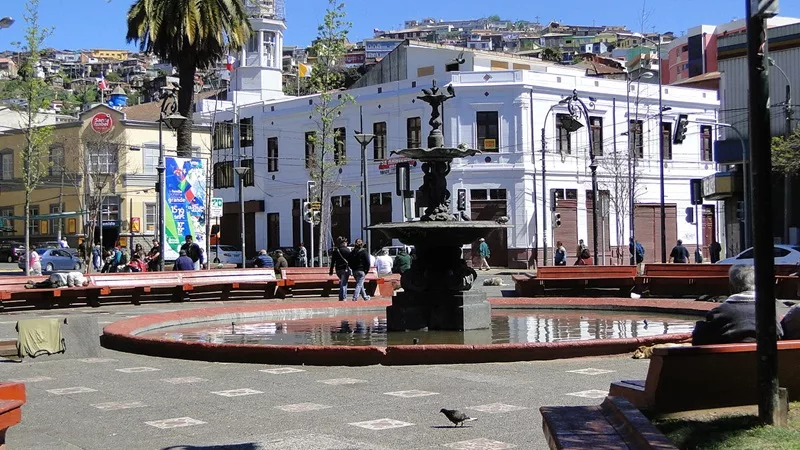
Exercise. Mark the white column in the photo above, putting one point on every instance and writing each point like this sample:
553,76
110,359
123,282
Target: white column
261,61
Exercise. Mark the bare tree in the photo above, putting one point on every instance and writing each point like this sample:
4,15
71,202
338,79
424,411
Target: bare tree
622,183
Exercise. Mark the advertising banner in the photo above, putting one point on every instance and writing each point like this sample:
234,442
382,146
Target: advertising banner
184,203
389,166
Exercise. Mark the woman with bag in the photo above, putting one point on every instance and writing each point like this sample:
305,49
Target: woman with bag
360,264
339,262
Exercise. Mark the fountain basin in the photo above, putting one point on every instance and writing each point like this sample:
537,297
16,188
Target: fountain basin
131,335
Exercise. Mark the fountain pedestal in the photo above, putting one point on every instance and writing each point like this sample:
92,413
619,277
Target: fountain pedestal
460,311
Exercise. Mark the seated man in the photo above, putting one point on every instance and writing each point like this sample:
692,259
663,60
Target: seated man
263,260
735,319
791,323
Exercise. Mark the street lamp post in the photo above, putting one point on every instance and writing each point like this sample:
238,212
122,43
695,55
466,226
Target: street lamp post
632,152
787,180
364,140
242,171
563,101
173,120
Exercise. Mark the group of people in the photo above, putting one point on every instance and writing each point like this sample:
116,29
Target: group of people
346,262
583,257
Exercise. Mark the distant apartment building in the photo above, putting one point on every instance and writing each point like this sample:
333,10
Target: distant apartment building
114,55
8,68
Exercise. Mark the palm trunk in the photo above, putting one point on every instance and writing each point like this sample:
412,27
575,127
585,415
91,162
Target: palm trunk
185,108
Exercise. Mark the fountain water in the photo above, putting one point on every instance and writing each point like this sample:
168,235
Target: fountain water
436,290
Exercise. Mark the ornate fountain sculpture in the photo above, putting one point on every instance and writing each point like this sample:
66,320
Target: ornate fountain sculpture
437,287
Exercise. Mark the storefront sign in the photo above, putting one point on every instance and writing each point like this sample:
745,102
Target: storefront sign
102,123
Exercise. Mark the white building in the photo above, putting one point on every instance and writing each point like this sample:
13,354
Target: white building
501,106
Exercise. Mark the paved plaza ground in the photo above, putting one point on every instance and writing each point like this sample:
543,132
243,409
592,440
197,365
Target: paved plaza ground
127,401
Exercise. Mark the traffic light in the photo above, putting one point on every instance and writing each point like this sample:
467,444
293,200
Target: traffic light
553,200
556,220
680,129
690,214
462,200
307,212
696,189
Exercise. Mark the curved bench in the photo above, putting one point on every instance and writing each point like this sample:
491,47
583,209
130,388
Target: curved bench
12,397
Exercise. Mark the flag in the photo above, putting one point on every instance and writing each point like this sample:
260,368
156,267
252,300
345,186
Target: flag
101,83
304,70
229,63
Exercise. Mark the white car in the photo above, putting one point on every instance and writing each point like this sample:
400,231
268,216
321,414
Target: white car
226,254
784,254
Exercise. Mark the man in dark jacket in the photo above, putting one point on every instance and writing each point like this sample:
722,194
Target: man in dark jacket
193,251
280,262
339,257
679,254
183,262
402,262
359,264
263,260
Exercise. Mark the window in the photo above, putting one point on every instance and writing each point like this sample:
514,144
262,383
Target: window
150,212
563,139
497,194
246,132
488,133
34,222
110,210
55,224
311,138
7,165
223,174
273,230
478,194
381,198
706,147
102,157
56,160
250,176
379,141
452,67
666,138
272,154
637,138
6,225
596,126
413,132
340,146
149,160
223,135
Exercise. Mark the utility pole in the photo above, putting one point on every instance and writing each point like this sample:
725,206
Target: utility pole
769,410
787,179
544,198
364,140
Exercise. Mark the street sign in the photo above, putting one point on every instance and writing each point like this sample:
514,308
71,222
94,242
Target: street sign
216,207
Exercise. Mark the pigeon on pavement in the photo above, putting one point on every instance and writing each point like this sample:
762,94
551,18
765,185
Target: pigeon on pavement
456,416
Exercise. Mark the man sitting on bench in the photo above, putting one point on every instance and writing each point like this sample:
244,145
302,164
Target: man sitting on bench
735,319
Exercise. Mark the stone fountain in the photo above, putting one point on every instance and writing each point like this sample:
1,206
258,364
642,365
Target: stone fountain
436,290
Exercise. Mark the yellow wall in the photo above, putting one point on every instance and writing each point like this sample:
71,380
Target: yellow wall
130,183
119,55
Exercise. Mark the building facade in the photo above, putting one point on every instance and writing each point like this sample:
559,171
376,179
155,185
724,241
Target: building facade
100,168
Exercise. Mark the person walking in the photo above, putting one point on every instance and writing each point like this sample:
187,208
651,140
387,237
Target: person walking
193,251
483,251
263,260
302,256
581,248
715,251
153,258
63,243
560,258
360,265
97,258
637,254
679,254
280,263
585,258
34,261
339,262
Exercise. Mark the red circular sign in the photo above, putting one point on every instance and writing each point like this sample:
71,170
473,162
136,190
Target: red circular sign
102,123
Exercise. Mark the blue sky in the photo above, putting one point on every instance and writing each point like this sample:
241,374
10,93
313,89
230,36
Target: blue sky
101,23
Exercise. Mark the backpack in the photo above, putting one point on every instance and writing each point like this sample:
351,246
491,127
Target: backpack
639,252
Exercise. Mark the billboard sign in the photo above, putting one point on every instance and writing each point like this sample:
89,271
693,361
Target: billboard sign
216,207
389,166
184,203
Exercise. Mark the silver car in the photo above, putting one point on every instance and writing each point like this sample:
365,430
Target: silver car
784,254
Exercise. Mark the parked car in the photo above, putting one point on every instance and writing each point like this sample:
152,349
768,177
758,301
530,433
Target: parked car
227,254
54,259
10,251
784,254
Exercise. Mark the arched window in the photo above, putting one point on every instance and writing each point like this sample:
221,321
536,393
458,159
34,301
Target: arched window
6,164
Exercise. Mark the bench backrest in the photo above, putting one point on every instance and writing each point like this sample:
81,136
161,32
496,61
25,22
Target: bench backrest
557,272
306,273
137,279
687,269
228,275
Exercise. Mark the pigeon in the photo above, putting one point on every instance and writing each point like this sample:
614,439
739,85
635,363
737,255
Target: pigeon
502,219
456,416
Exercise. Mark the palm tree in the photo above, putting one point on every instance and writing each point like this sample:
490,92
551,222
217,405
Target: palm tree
191,35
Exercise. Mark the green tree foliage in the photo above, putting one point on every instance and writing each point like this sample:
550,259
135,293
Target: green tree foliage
551,54
494,18
34,91
327,78
786,153
191,35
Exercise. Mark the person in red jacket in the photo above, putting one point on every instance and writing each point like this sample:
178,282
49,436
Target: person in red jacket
584,259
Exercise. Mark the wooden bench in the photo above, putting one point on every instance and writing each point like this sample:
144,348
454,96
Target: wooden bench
13,291
707,376
312,279
680,280
12,397
614,424
577,278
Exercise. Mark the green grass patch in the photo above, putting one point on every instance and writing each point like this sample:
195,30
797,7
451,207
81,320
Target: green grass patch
739,432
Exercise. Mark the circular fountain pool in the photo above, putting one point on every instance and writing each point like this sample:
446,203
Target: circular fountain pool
349,333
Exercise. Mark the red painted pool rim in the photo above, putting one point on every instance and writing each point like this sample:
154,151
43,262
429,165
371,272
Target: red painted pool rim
124,336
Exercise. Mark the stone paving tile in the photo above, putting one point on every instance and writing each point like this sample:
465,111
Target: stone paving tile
237,392
479,444
341,381
591,371
183,380
381,424
111,406
302,407
282,370
496,408
591,393
177,422
137,369
71,390
410,394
